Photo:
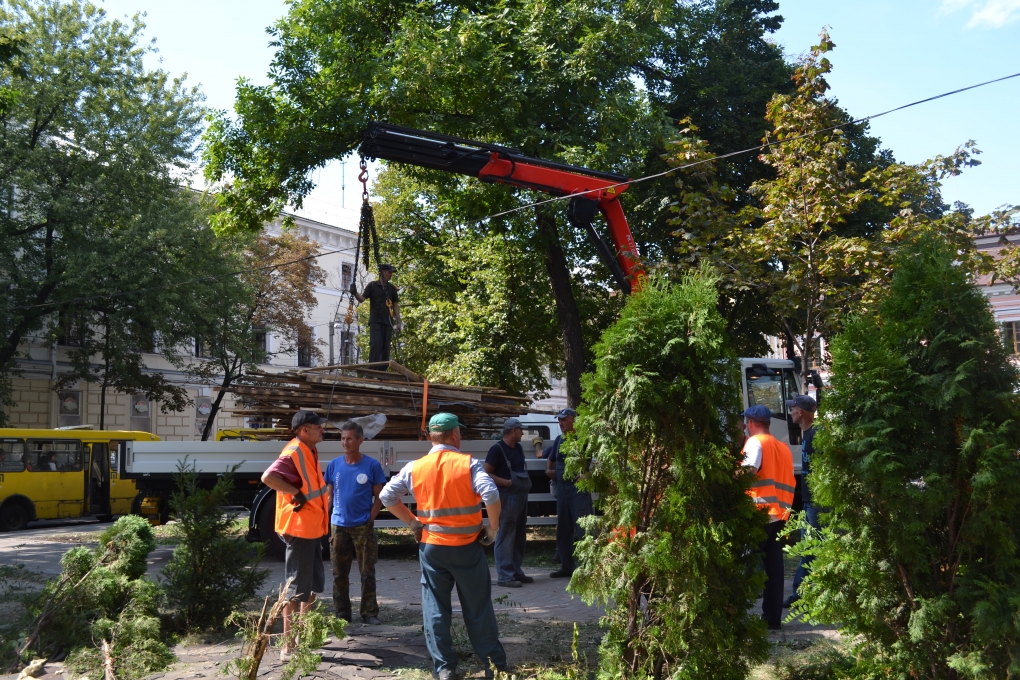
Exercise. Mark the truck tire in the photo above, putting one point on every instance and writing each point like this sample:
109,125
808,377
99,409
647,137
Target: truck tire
13,517
267,524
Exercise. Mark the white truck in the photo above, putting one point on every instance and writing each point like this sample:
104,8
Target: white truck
152,464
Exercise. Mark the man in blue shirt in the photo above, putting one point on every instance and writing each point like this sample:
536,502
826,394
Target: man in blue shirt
571,504
353,482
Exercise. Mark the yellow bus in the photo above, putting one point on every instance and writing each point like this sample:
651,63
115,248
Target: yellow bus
51,474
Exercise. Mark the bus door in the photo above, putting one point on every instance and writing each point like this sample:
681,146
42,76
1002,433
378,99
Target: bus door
122,491
98,479
58,480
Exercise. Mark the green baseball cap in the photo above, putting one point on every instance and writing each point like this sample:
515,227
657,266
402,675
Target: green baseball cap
441,422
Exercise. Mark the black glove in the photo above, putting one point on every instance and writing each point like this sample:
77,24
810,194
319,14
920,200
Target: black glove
298,500
354,289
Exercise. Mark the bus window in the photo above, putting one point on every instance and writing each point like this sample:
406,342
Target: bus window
54,455
12,455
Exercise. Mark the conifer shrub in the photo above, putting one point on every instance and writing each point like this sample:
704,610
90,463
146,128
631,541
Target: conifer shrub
673,555
212,571
103,595
917,458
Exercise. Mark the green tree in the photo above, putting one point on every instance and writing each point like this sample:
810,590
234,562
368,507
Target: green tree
802,248
917,460
673,554
130,310
213,571
559,81
87,147
274,291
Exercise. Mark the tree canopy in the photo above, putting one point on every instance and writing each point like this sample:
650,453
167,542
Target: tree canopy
89,144
917,461
563,82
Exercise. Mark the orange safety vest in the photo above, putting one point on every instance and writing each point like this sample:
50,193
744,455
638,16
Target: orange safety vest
312,521
775,484
447,504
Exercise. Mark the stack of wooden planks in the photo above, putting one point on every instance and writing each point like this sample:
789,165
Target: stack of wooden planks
342,392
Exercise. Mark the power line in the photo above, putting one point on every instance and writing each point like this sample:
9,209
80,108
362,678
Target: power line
645,178
752,149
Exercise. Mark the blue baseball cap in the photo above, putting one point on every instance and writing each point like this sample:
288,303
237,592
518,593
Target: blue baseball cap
565,413
803,401
759,412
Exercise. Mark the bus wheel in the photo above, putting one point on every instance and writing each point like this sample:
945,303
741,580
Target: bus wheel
13,517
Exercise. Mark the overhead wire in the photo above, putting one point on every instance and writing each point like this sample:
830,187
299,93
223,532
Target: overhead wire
760,147
645,178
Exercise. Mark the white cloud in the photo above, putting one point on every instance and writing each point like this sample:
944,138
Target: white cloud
990,13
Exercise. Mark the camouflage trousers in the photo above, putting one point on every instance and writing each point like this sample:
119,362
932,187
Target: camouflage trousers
345,545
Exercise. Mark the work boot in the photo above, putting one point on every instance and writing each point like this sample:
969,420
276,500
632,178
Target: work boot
561,573
509,584
789,601
526,579
370,620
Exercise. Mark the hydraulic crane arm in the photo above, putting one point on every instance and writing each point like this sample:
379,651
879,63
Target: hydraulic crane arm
591,190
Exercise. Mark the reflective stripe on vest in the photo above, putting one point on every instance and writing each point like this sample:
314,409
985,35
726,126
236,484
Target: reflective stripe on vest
312,521
447,504
775,485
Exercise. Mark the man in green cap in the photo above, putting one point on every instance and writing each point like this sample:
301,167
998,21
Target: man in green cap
449,487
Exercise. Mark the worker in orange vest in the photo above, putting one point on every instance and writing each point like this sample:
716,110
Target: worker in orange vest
449,487
772,492
302,515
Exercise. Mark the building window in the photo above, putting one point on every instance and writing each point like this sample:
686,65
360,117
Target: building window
348,349
203,349
817,354
68,408
1011,336
346,275
70,330
304,351
141,413
261,342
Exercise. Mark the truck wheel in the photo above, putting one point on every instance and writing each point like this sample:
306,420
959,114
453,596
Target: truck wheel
267,524
13,517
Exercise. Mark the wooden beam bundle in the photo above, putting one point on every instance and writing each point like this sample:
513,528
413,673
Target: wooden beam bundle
347,391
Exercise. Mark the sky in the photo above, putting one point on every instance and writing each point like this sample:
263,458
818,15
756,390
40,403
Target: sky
888,53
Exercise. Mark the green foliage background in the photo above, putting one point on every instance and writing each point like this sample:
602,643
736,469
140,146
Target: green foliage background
661,428
918,462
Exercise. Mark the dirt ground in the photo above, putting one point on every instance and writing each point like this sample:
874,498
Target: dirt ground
536,623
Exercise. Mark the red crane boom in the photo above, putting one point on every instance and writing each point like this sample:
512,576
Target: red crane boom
591,191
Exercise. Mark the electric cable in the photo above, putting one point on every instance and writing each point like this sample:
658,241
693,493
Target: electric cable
763,145
510,211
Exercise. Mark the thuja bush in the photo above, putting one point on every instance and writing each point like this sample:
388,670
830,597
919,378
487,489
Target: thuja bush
917,458
672,556
212,572
103,595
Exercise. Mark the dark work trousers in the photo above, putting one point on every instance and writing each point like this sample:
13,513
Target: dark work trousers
811,513
464,566
772,555
513,531
571,505
379,339
346,545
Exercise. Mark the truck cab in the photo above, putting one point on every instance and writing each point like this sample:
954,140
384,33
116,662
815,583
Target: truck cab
771,382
